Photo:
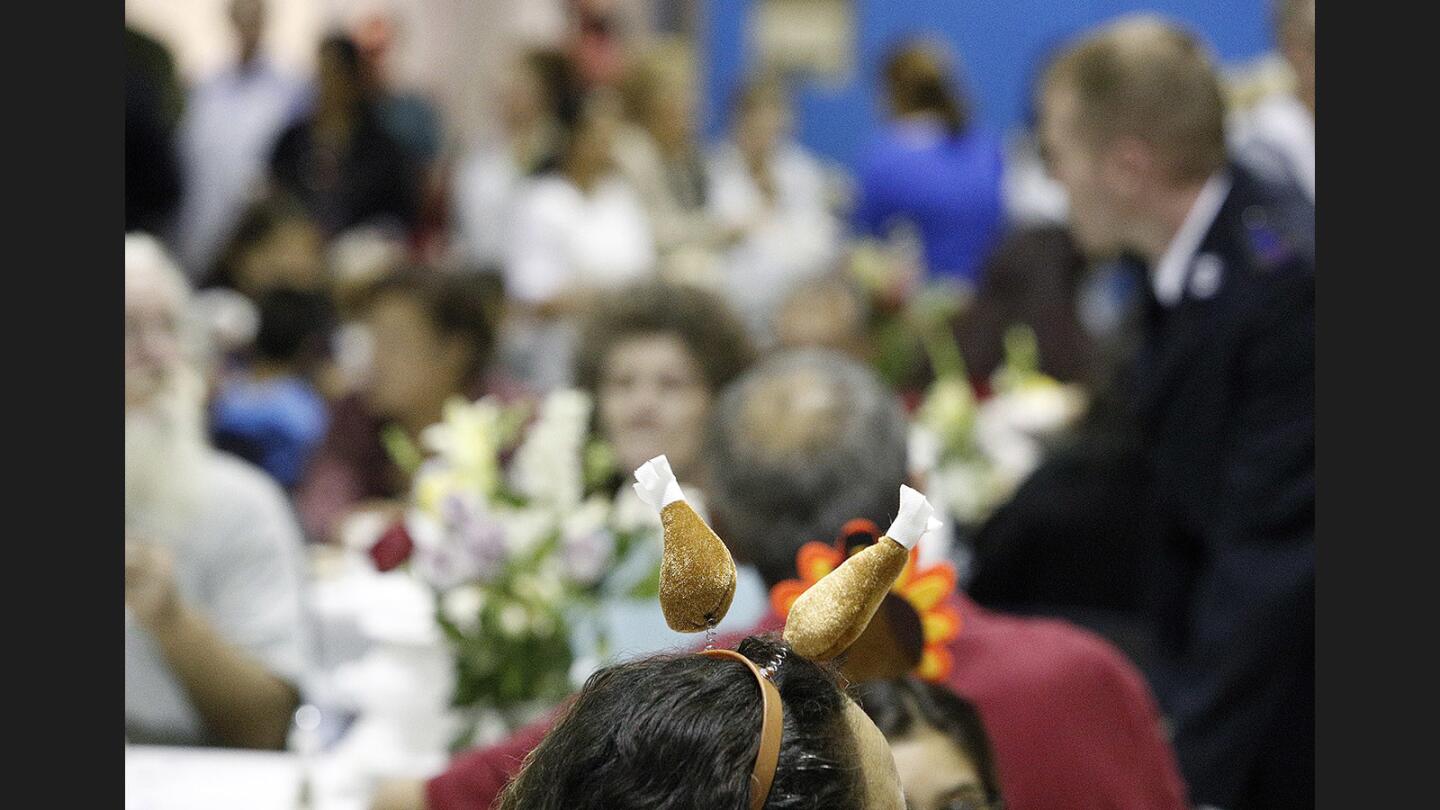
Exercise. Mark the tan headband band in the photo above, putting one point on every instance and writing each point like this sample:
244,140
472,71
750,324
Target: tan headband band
771,726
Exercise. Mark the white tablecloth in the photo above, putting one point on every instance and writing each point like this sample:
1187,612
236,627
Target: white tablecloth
368,625
165,778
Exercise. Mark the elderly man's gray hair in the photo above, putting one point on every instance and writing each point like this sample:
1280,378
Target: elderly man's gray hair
797,447
146,257
148,264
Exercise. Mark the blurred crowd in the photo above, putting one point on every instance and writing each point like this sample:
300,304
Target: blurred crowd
310,277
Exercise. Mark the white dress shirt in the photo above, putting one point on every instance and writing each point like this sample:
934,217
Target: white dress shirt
791,240
1031,196
565,238
1171,272
486,186
1278,134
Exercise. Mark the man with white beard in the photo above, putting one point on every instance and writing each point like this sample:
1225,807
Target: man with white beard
213,638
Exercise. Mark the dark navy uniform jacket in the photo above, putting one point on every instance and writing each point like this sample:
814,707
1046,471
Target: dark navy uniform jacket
1223,396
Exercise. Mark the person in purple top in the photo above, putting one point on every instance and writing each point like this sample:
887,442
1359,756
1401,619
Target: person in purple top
931,168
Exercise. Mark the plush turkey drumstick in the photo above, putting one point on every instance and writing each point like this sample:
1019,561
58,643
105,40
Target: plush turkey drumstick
697,573
828,617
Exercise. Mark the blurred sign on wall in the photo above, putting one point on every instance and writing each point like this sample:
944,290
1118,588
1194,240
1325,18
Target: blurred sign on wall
813,37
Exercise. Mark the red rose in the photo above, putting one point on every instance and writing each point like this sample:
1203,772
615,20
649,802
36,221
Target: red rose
393,548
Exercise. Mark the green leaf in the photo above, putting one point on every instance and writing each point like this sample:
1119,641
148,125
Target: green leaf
508,497
600,464
511,424
1022,349
464,738
647,588
401,449
898,352
943,351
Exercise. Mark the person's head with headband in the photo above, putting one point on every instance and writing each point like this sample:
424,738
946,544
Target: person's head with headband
764,726
685,731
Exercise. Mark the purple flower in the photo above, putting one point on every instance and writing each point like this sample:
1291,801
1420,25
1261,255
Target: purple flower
476,540
482,539
586,554
443,566
455,510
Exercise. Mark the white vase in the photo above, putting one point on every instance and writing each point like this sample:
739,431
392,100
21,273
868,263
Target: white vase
401,685
402,691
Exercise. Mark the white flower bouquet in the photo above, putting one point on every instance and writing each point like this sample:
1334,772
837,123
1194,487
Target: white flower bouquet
977,452
507,527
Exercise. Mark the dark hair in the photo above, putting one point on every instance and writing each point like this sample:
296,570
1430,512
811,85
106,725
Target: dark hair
352,66
347,54
559,81
574,111
293,325
796,448
464,305
917,79
897,706
566,101
702,320
261,218
680,732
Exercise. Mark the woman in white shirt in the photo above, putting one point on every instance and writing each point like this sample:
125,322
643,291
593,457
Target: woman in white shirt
772,193
577,229
490,176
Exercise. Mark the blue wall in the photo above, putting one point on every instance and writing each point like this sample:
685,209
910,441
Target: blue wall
997,43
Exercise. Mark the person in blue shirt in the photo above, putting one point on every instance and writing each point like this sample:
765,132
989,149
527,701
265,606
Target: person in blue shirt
271,414
932,169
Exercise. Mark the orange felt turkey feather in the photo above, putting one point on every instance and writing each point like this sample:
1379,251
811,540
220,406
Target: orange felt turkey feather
915,622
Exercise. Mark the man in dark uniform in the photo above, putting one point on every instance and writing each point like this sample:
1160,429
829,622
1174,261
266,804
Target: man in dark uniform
1220,393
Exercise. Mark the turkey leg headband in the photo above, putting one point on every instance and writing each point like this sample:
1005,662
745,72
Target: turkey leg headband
697,584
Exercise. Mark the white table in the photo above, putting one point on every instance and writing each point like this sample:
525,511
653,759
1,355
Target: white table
166,778
360,616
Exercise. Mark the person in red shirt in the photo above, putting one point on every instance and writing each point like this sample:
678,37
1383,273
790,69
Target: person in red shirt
798,447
